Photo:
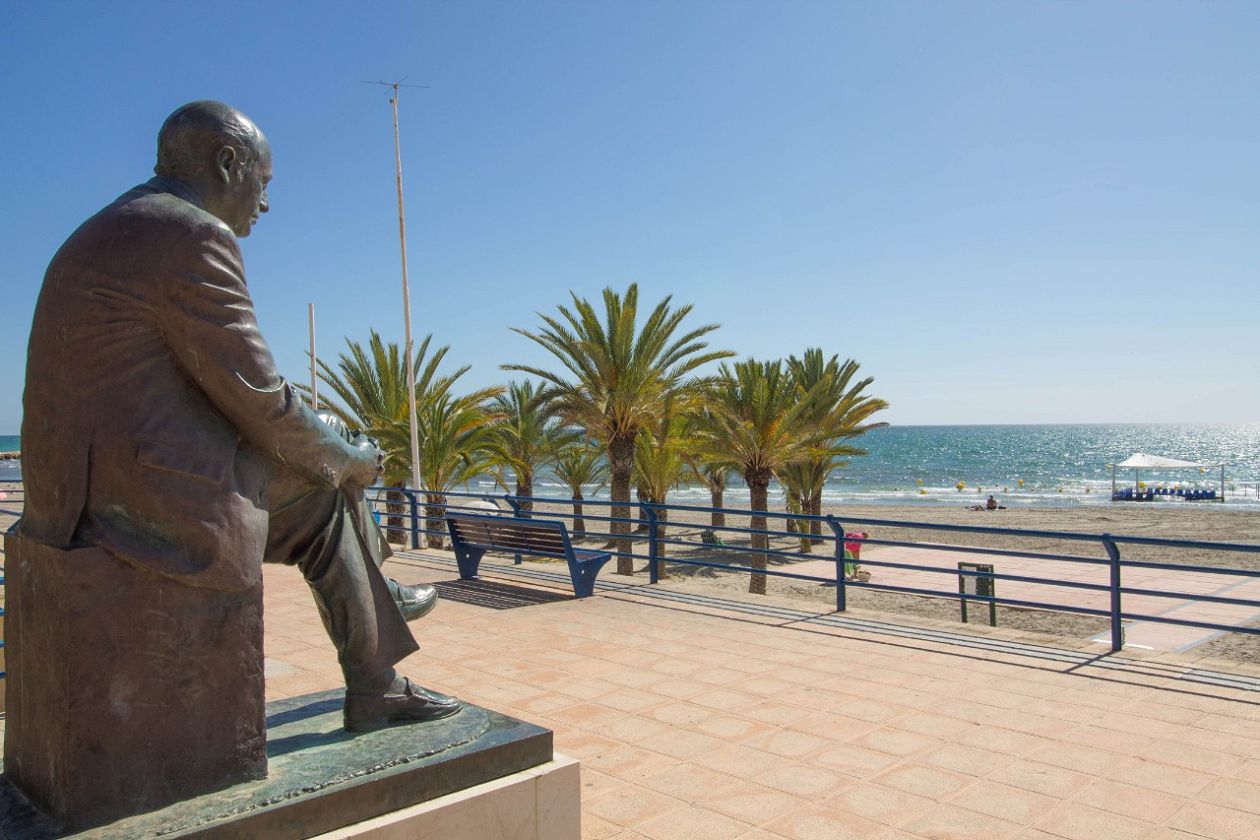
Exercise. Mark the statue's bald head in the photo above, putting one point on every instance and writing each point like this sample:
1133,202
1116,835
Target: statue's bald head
222,157
190,138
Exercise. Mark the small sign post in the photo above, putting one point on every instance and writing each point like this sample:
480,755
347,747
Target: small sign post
975,585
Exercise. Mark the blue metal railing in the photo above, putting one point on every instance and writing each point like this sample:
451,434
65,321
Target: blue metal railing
834,538
405,517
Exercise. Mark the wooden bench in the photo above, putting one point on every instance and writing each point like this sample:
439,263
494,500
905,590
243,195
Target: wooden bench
473,535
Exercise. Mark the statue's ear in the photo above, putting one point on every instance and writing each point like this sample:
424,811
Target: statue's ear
223,161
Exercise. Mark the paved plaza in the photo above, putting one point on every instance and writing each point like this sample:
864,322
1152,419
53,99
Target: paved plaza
696,717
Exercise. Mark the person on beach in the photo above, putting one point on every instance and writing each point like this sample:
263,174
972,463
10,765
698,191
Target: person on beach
853,552
157,427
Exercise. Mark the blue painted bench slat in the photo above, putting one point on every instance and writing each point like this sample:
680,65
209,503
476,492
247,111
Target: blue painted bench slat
472,535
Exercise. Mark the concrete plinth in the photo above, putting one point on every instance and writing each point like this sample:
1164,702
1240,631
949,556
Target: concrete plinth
539,804
126,691
323,778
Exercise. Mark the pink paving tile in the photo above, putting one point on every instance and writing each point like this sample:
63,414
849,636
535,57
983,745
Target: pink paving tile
1231,793
1206,820
827,824
691,824
924,780
689,782
1075,821
949,822
879,803
1003,801
859,762
1047,779
752,803
789,743
801,779
631,804
1130,800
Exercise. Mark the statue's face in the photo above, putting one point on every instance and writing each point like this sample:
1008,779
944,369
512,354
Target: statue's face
247,192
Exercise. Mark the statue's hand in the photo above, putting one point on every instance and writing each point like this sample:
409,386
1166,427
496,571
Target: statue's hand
335,423
369,463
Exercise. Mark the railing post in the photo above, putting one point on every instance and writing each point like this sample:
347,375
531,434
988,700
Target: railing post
1117,627
841,592
414,504
653,544
516,512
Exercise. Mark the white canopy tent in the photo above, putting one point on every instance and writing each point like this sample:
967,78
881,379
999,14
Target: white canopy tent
1141,461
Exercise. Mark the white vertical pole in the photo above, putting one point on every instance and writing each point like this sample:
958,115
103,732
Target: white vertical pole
310,322
402,242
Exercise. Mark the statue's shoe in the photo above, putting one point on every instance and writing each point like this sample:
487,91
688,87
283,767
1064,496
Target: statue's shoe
404,702
413,601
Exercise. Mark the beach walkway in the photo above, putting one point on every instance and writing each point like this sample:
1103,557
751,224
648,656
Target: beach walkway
1138,634
700,717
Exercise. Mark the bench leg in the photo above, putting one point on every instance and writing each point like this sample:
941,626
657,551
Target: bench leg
468,560
583,576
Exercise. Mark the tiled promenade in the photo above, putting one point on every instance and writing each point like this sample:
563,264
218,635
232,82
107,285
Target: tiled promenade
695,717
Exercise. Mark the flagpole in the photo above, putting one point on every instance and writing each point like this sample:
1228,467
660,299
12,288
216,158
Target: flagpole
406,293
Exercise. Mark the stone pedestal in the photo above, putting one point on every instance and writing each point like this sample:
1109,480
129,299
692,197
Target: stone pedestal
477,774
542,803
126,691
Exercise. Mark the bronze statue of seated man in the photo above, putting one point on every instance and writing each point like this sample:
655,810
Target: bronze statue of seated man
157,428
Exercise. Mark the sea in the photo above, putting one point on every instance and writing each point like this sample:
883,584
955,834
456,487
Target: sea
1027,465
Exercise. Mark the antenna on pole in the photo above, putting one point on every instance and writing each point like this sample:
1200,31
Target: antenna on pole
310,321
406,292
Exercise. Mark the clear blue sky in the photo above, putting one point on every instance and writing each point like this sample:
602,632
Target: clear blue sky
1008,212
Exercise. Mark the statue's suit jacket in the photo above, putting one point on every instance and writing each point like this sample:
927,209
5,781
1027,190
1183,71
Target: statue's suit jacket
153,405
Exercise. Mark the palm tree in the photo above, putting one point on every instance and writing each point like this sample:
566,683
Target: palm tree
802,483
659,466
842,413
580,465
714,476
371,385
454,448
756,424
524,435
617,377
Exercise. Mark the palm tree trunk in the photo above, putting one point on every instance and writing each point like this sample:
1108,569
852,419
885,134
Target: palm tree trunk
579,524
525,487
815,509
621,465
662,519
757,487
717,519
434,519
801,505
641,497
793,506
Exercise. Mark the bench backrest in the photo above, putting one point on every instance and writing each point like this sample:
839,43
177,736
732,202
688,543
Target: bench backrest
499,533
